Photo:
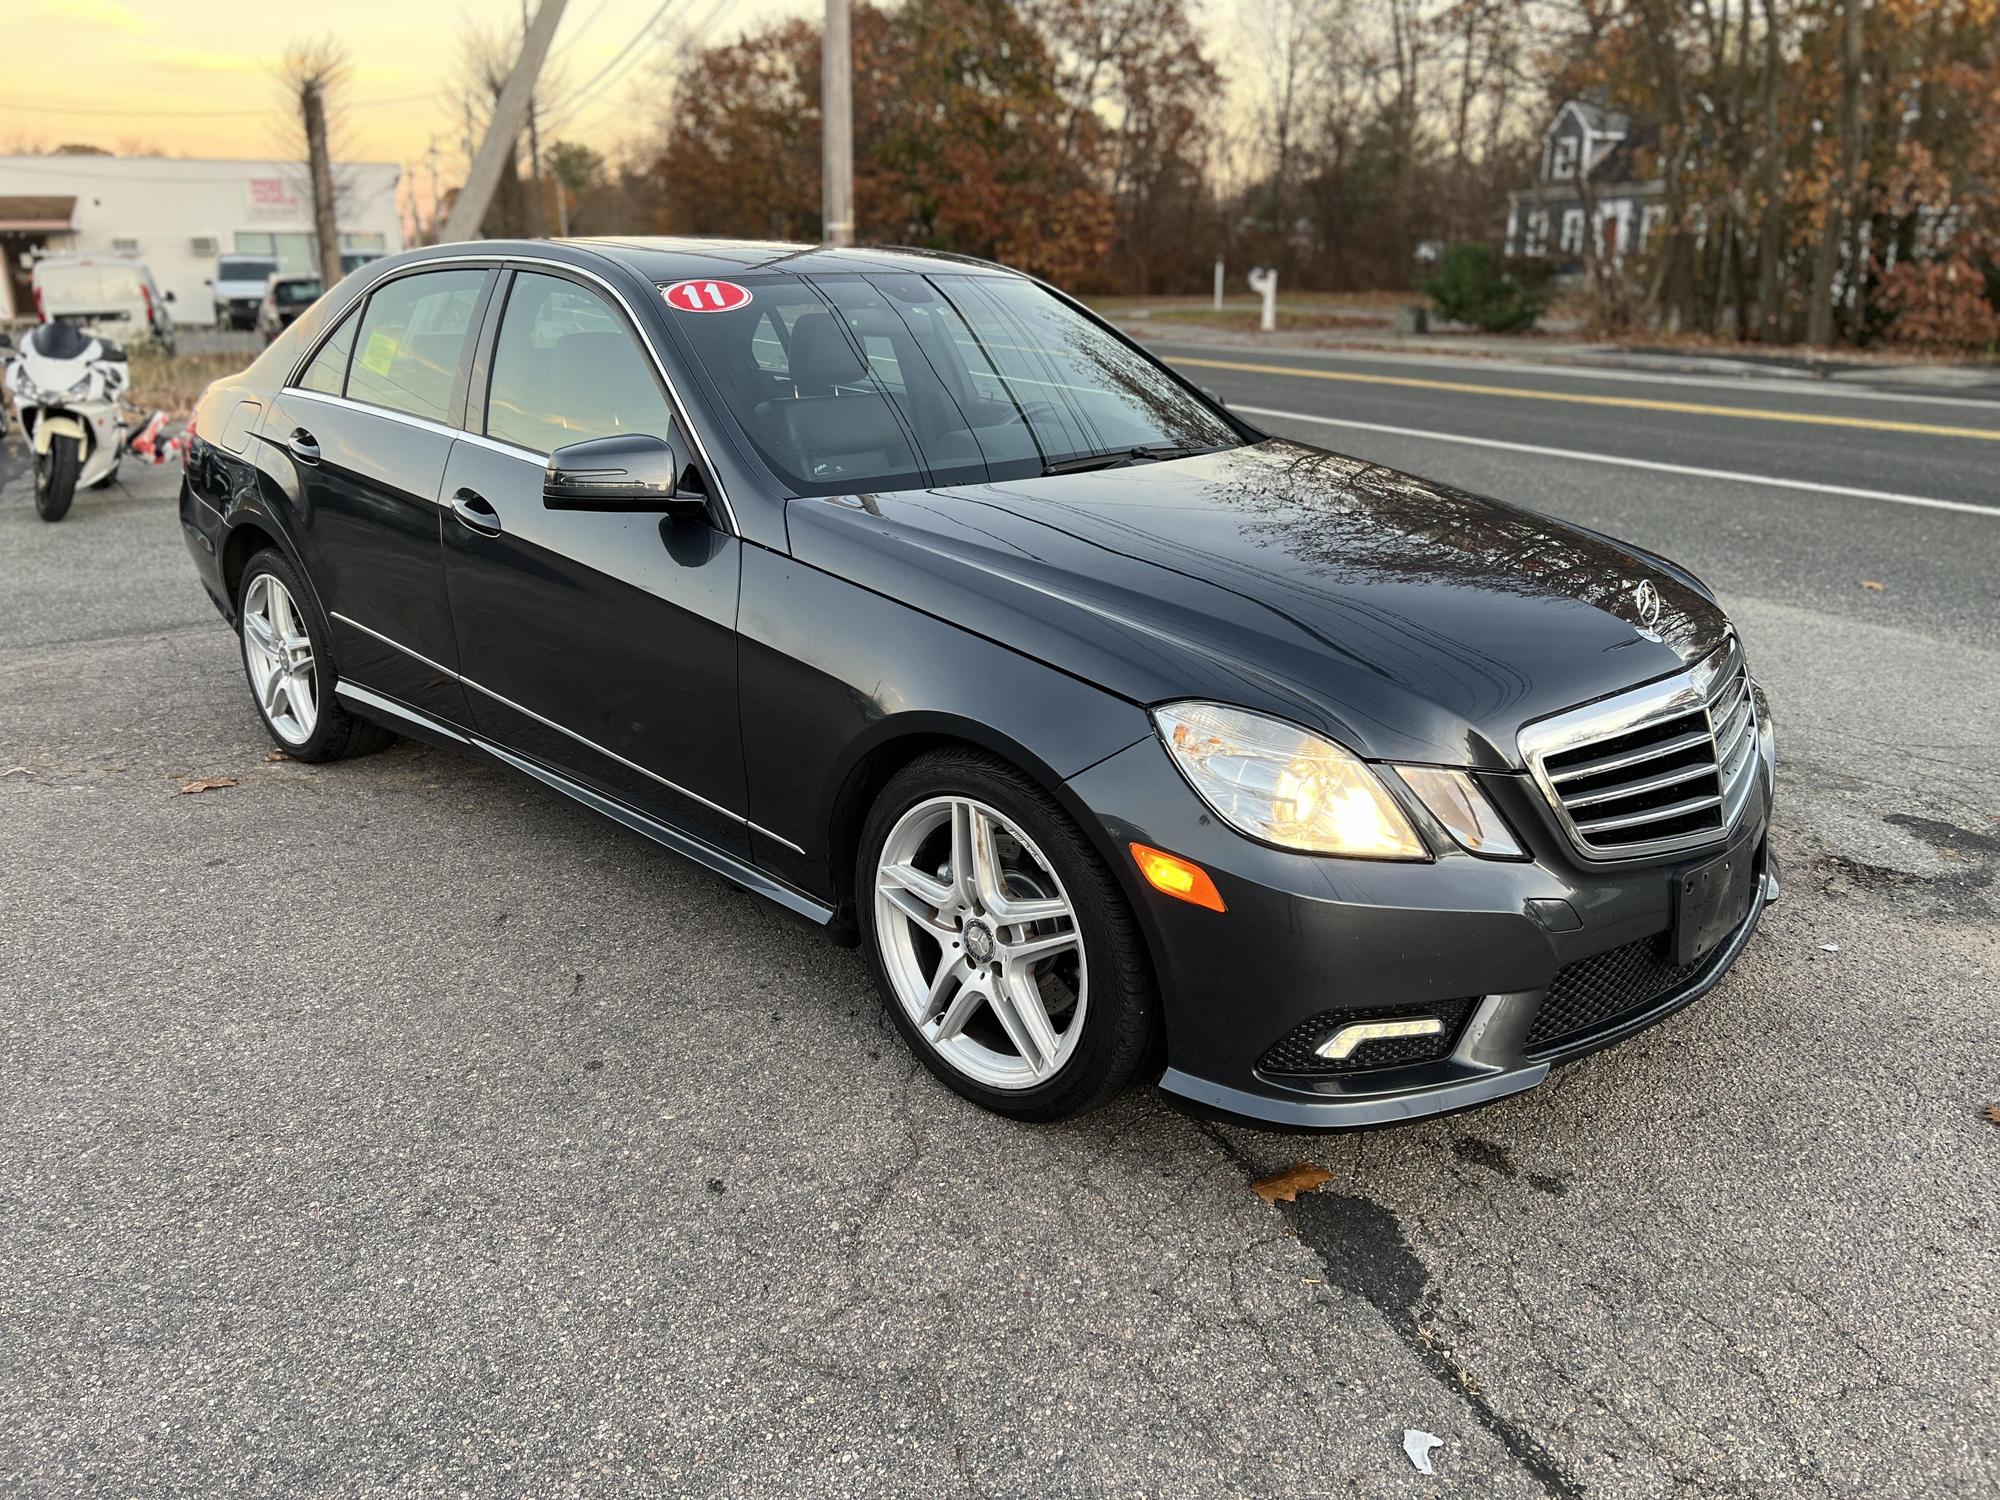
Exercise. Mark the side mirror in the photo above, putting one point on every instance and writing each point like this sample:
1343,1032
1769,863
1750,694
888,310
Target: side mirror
169,296
627,471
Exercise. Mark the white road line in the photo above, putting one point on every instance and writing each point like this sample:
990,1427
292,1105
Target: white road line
1809,387
1889,497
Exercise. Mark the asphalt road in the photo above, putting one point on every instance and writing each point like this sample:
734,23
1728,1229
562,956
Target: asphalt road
397,1127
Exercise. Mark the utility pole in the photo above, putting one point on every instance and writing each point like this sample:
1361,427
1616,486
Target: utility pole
509,111
836,129
312,104
534,151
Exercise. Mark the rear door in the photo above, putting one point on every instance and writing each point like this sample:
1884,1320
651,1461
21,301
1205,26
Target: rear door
367,429
600,643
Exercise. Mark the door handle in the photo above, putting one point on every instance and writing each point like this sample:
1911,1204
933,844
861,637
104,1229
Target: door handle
474,513
303,446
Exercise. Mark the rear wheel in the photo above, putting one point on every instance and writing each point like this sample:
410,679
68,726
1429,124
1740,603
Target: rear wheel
55,478
286,656
1004,950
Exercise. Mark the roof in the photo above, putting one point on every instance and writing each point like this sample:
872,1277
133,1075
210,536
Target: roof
1595,117
666,259
36,212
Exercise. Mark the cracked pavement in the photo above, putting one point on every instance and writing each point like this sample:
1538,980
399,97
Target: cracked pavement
397,1127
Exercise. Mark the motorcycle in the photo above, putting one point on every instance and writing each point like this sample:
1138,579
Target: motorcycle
66,387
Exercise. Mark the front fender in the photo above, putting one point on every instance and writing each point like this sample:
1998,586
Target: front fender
830,673
51,425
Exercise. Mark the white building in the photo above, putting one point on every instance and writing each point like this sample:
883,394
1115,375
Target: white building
177,216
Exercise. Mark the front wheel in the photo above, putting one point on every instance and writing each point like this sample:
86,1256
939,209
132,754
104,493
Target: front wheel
55,478
1004,949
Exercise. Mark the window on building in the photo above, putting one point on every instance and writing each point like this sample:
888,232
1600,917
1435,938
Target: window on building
1538,232
1572,235
1563,163
567,369
412,334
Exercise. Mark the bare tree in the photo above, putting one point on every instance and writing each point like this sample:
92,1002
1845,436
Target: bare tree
1840,193
312,72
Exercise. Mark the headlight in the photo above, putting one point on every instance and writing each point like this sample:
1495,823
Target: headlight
1284,785
78,392
1455,800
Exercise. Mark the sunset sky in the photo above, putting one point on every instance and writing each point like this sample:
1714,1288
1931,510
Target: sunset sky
194,77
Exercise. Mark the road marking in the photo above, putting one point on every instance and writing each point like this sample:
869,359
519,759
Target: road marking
1888,496
1691,408
1810,387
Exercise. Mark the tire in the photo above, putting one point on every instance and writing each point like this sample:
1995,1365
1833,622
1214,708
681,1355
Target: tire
55,479
1098,1010
284,636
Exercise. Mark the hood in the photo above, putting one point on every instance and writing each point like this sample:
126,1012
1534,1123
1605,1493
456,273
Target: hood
1408,620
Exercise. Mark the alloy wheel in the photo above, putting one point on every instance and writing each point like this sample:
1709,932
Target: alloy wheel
279,654
980,943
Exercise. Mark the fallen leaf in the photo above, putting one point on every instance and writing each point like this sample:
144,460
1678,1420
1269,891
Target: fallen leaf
1285,1186
207,784
1992,1113
276,755
1873,587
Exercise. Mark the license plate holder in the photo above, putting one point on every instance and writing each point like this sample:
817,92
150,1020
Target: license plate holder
1710,902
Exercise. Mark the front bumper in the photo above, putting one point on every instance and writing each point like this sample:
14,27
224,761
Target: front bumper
1526,963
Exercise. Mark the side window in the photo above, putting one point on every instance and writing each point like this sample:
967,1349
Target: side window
411,338
768,349
566,369
328,370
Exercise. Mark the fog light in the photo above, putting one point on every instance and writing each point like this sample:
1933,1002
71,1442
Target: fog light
1340,1046
1176,877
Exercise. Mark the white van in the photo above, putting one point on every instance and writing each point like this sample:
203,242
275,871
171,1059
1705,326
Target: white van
108,294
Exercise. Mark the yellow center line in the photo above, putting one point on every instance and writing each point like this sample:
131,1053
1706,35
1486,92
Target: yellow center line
1692,408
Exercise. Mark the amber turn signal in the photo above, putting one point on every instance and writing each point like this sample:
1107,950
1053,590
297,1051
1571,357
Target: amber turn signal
1178,878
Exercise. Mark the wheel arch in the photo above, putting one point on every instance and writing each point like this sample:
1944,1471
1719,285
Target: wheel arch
894,743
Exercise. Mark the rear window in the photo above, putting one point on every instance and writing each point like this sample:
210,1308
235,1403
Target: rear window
86,287
855,383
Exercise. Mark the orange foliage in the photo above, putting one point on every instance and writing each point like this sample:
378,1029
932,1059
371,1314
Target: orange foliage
1939,306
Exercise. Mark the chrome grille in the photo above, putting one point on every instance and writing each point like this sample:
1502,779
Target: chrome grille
1666,766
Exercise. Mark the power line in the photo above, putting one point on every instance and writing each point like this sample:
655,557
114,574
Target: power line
622,59
700,29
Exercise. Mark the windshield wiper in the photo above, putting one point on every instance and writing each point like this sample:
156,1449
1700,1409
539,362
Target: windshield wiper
1118,458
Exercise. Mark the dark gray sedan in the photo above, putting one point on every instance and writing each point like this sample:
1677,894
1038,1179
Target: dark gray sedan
1131,743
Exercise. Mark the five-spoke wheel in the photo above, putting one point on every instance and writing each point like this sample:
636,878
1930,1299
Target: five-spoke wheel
279,655
1004,948
981,942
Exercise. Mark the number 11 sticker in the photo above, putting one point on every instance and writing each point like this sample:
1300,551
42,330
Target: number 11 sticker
706,296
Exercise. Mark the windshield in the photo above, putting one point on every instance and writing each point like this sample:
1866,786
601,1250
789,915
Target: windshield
858,383
86,286
235,268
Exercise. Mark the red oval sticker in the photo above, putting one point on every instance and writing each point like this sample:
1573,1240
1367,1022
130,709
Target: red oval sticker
706,296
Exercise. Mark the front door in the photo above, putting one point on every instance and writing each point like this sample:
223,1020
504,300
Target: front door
600,643
366,431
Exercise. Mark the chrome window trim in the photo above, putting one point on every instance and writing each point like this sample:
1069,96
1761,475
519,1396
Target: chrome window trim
408,419
1624,713
503,262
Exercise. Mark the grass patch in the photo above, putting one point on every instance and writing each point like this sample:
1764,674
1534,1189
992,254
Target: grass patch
173,383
